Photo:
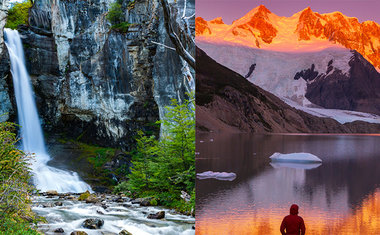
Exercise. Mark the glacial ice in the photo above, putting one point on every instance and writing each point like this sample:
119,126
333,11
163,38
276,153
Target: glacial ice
229,176
295,158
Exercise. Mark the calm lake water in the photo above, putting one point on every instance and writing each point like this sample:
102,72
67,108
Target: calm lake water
341,196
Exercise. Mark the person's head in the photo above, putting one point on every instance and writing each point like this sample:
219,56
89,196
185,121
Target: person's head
294,209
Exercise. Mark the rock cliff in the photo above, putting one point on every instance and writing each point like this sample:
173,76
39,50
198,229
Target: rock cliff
6,108
95,83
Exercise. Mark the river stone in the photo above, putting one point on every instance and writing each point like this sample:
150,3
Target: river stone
52,193
58,204
93,223
59,230
92,199
125,232
78,233
158,215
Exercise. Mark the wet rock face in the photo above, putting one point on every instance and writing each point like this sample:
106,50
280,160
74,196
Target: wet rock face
99,85
172,76
6,108
90,81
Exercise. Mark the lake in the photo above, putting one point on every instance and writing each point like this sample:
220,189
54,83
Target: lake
340,196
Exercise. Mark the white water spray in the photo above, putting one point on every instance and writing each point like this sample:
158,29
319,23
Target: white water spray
45,177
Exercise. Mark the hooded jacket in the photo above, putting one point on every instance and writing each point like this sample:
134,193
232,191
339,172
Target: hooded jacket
293,224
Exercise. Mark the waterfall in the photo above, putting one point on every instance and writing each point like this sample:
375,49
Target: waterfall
45,177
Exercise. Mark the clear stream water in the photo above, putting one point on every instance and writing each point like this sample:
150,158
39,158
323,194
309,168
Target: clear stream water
340,196
117,216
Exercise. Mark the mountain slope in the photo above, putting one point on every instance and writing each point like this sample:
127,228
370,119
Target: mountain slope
305,31
226,101
334,78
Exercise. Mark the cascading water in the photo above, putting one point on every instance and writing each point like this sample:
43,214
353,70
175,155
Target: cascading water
45,177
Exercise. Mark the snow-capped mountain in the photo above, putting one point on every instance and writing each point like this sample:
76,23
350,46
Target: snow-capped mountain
227,102
304,31
334,78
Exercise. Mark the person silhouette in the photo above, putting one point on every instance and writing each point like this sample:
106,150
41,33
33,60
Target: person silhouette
293,224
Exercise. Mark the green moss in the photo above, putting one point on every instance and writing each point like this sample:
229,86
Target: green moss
84,196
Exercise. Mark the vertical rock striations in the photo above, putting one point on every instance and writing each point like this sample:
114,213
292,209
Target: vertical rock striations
98,84
5,103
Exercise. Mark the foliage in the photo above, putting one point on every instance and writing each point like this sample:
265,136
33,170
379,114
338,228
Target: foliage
13,227
116,16
122,27
18,14
15,190
163,168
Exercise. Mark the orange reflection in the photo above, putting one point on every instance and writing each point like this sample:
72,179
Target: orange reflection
363,220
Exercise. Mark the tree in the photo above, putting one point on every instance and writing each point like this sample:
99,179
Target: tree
18,14
163,168
115,14
15,190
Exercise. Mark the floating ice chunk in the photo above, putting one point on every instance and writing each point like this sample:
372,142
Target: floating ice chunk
295,157
304,166
216,175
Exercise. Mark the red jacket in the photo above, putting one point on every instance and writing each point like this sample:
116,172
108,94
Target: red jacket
293,224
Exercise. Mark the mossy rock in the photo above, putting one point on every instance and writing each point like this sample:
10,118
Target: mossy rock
84,196
153,202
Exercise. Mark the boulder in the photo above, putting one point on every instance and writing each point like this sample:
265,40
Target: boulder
52,193
59,230
58,204
78,233
158,215
93,223
125,232
92,199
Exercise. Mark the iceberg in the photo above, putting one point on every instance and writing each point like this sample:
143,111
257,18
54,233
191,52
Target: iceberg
216,175
303,166
295,158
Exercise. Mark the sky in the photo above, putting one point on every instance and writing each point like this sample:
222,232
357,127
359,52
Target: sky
231,10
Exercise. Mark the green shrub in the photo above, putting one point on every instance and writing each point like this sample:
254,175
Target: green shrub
115,14
18,14
14,227
122,27
15,190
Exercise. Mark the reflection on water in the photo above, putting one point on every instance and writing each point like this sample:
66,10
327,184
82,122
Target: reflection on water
341,196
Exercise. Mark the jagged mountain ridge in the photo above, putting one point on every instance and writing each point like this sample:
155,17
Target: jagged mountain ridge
305,30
